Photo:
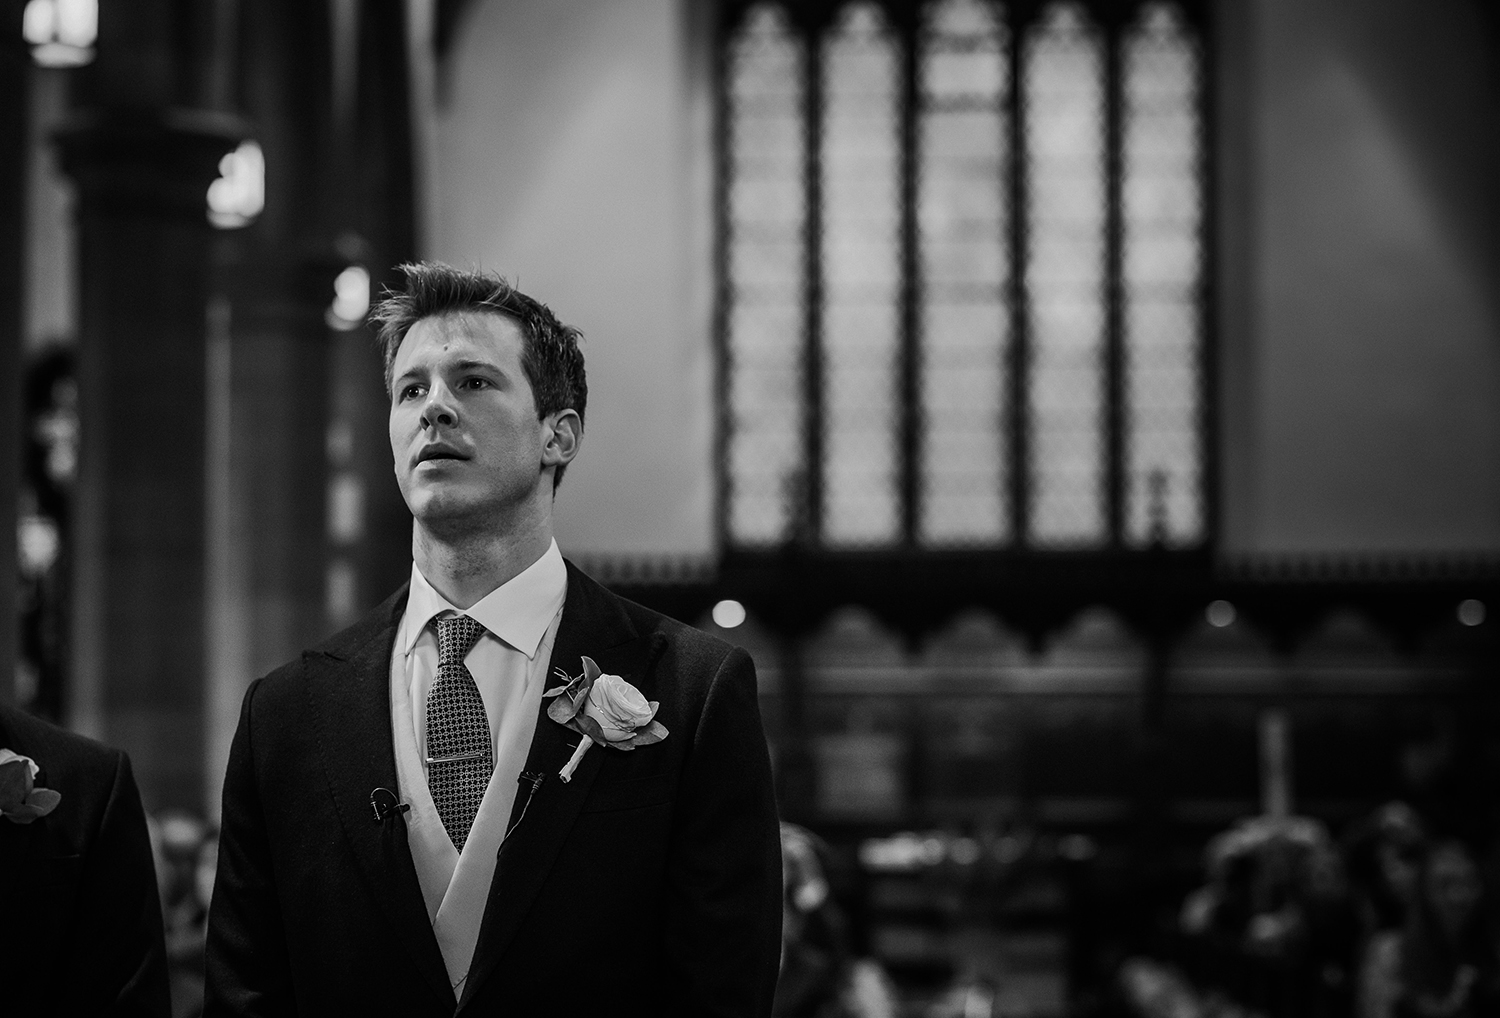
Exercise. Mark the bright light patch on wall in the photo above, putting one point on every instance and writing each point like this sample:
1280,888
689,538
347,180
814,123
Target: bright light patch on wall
351,299
346,508
61,32
900,852
39,543
1471,612
239,195
341,592
1220,614
728,614
338,442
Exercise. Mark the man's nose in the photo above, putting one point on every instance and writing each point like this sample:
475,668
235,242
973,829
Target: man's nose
439,410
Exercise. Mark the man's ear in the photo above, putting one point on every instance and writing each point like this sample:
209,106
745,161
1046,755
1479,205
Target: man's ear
562,432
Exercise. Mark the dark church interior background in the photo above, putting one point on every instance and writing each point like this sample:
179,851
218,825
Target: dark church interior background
1087,412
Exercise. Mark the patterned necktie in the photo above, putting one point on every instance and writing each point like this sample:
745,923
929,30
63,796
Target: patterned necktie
460,756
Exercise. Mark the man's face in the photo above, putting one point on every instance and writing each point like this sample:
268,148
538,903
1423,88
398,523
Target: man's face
467,444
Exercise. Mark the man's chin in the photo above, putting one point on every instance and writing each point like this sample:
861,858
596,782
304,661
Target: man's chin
442,512
449,512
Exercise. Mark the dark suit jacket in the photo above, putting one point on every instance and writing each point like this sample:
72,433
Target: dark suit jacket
80,918
651,883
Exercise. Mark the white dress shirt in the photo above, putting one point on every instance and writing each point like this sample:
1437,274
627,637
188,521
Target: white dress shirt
508,663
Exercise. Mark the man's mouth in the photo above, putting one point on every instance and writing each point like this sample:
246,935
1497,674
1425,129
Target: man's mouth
438,453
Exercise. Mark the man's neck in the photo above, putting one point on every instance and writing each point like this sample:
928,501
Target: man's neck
465,569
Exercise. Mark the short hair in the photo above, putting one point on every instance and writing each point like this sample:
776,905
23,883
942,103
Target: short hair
550,355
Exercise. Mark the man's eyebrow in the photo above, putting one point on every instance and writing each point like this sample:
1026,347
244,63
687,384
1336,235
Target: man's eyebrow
470,365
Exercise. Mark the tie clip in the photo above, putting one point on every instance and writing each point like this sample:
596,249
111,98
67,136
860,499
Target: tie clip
477,754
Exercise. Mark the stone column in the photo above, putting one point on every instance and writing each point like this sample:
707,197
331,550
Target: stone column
13,106
142,173
268,504
270,355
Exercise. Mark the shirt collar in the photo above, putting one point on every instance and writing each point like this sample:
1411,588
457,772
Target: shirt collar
518,611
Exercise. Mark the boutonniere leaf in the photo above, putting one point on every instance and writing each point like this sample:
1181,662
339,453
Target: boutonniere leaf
21,801
604,709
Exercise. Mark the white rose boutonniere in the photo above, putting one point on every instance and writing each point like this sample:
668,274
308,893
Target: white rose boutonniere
21,801
605,709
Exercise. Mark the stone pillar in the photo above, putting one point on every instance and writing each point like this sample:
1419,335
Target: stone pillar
142,173
270,355
267,481
14,103
379,211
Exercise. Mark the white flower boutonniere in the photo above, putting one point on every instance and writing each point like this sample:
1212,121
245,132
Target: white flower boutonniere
21,801
602,708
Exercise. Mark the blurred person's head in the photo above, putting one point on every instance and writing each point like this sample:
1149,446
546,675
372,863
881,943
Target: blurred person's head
804,887
176,839
1451,888
1445,945
815,951
1384,855
488,395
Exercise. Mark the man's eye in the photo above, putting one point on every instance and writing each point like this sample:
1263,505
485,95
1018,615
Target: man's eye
411,392
474,383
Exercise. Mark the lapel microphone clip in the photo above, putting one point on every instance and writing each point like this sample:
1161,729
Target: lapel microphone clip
531,781
384,805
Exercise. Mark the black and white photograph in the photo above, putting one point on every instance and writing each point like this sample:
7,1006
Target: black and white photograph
750,508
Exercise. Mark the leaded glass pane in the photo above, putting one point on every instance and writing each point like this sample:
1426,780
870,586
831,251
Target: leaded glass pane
962,213
1162,204
1065,222
962,178
860,162
767,210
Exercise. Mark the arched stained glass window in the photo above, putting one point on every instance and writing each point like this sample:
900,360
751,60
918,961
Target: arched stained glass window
1063,77
767,415
963,218
963,296
1162,205
861,263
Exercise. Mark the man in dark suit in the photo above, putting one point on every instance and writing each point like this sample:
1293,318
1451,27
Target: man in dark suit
80,919
398,836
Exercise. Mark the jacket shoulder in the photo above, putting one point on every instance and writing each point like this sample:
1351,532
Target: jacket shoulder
53,746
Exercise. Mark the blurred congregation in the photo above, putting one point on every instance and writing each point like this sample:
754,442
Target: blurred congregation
1085,412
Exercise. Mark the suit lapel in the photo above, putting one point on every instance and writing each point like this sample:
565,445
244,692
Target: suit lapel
348,688
593,623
